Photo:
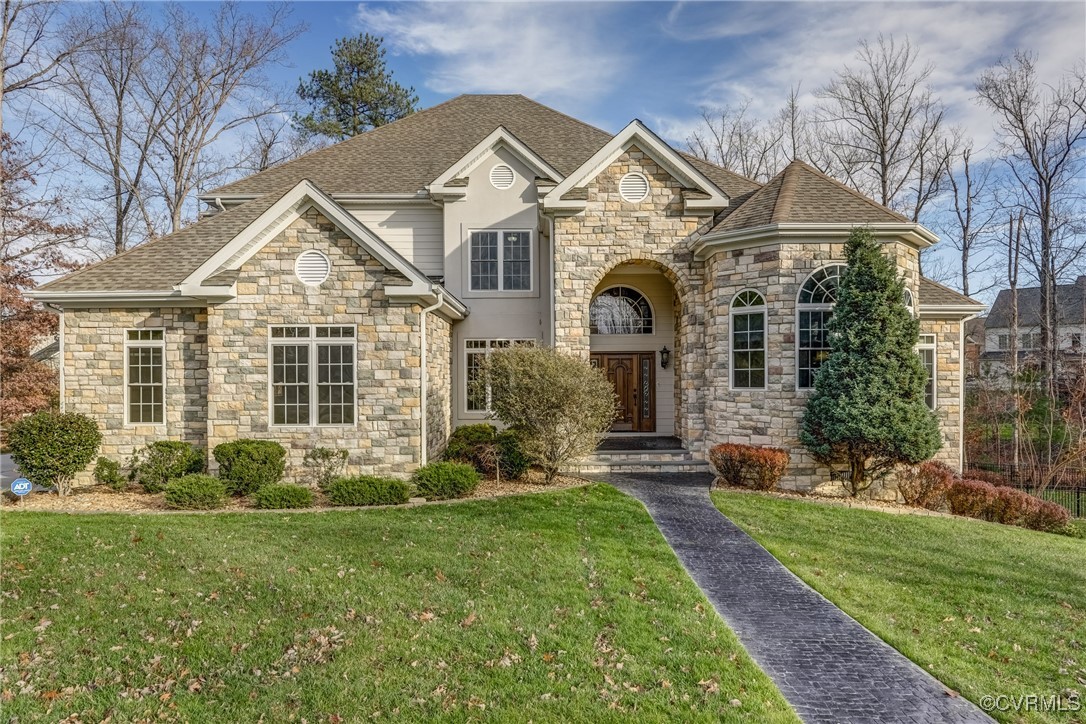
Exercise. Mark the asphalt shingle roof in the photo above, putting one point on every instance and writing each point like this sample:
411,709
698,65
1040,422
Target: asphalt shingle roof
932,292
801,194
1070,305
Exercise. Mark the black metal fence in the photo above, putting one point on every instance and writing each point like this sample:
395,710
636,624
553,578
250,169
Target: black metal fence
1067,489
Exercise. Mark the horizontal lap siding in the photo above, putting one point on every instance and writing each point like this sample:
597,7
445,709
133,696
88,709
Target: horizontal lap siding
416,233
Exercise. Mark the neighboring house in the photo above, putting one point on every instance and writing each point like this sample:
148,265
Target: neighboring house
47,351
974,347
1070,328
346,298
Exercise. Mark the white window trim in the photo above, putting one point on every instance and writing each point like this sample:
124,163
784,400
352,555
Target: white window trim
801,307
652,311
933,345
129,344
313,342
501,290
762,309
487,351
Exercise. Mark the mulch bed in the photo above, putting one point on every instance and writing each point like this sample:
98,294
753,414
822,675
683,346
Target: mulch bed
100,499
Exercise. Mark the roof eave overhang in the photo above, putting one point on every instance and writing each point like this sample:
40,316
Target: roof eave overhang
913,234
175,298
950,311
451,307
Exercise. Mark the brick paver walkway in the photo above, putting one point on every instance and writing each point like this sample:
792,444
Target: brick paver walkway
829,667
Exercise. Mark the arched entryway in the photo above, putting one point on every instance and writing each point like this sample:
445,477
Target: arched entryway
633,323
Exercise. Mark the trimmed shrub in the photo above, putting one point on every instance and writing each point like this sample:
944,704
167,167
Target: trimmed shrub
441,481
925,485
1047,516
971,498
196,492
51,447
368,490
282,495
325,465
248,465
488,451
108,472
760,468
161,461
1010,506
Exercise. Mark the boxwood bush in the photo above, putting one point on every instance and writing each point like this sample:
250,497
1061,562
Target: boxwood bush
248,465
161,461
108,472
51,447
368,490
440,481
283,495
196,492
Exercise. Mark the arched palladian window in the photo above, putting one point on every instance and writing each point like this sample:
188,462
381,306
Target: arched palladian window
620,310
748,340
813,313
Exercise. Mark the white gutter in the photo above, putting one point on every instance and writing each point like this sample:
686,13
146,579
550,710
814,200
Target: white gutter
425,376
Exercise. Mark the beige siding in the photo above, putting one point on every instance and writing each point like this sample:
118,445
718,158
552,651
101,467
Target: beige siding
414,232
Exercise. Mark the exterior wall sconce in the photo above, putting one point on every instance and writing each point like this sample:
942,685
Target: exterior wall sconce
665,357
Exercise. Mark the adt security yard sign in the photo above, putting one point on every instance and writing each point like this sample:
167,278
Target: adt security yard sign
21,486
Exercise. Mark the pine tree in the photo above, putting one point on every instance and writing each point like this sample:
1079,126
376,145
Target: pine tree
357,95
868,409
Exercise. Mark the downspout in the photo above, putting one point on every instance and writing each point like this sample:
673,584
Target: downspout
425,376
554,283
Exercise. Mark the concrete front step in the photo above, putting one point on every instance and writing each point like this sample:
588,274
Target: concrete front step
623,456
692,466
640,461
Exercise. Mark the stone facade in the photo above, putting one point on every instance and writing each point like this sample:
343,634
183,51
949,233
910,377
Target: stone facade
94,363
655,232
387,435
949,386
439,411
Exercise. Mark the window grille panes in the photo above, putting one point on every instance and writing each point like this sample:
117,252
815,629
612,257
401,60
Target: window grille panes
290,384
516,260
620,310
335,384
748,341
290,332
335,332
814,344
821,287
927,356
484,260
146,403
145,335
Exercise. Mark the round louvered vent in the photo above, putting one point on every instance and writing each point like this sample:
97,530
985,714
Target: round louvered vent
633,187
312,267
501,176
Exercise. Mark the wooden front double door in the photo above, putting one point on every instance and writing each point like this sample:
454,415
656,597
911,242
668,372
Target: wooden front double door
633,375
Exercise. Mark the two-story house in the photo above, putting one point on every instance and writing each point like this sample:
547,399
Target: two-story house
346,298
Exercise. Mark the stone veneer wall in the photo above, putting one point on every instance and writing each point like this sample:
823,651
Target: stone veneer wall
94,363
948,386
655,232
438,384
387,436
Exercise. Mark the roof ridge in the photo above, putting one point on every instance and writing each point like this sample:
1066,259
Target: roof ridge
844,187
785,196
152,242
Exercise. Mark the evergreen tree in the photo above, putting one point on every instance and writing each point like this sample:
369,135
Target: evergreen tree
868,410
357,95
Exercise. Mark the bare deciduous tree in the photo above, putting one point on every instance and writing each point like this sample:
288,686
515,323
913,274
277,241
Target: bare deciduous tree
204,72
1042,133
885,128
733,138
967,225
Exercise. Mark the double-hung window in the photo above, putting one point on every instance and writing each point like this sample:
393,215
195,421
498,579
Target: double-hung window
312,375
926,350
501,261
145,353
748,340
476,395
814,311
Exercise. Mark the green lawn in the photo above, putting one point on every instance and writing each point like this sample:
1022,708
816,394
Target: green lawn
987,609
565,606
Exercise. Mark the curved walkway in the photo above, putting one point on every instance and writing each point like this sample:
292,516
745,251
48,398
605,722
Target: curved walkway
829,667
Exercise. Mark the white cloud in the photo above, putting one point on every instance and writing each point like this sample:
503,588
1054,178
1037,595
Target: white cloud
549,52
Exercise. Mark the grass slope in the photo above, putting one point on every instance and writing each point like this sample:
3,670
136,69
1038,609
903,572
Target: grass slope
987,609
551,607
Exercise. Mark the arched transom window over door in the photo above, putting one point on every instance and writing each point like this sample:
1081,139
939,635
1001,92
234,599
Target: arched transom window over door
813,313
620,310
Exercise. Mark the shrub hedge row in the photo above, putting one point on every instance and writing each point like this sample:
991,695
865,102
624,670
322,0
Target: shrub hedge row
760,468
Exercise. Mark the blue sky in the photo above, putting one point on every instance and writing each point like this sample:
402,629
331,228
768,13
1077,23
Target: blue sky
607,63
